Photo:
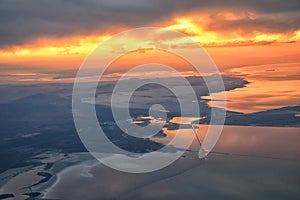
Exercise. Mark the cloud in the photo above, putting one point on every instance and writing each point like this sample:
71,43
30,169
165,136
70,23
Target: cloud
22,22
280,23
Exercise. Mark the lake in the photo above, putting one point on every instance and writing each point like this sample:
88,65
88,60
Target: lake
247,162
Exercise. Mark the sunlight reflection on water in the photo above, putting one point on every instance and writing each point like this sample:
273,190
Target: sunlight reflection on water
271,86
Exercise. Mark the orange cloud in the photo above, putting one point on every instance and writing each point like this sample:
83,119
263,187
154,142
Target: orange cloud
236,42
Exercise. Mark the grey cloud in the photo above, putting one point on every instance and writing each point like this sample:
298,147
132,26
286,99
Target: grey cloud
21,22
282,23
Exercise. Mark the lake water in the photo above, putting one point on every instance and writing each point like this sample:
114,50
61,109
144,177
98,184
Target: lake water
271,86
247,163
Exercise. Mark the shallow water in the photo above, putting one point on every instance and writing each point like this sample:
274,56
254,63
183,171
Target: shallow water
246,163
20,184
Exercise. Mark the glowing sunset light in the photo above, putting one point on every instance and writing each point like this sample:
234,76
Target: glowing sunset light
228,34
150,99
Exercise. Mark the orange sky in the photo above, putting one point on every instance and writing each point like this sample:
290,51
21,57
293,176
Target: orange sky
228,48
40,42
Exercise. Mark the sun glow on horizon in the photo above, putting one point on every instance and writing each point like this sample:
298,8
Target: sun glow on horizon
73,49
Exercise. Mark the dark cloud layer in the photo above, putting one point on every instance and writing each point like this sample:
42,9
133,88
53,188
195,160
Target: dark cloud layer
284,23
21,22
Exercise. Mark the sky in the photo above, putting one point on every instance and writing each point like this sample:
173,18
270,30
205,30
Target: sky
59,34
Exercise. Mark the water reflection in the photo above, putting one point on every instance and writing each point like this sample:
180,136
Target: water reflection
272,142
271,86
243,158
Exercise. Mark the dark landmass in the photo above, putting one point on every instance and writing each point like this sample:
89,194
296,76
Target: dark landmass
48,166
44,114
160,134
285,116
6,196
46,178
32,195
